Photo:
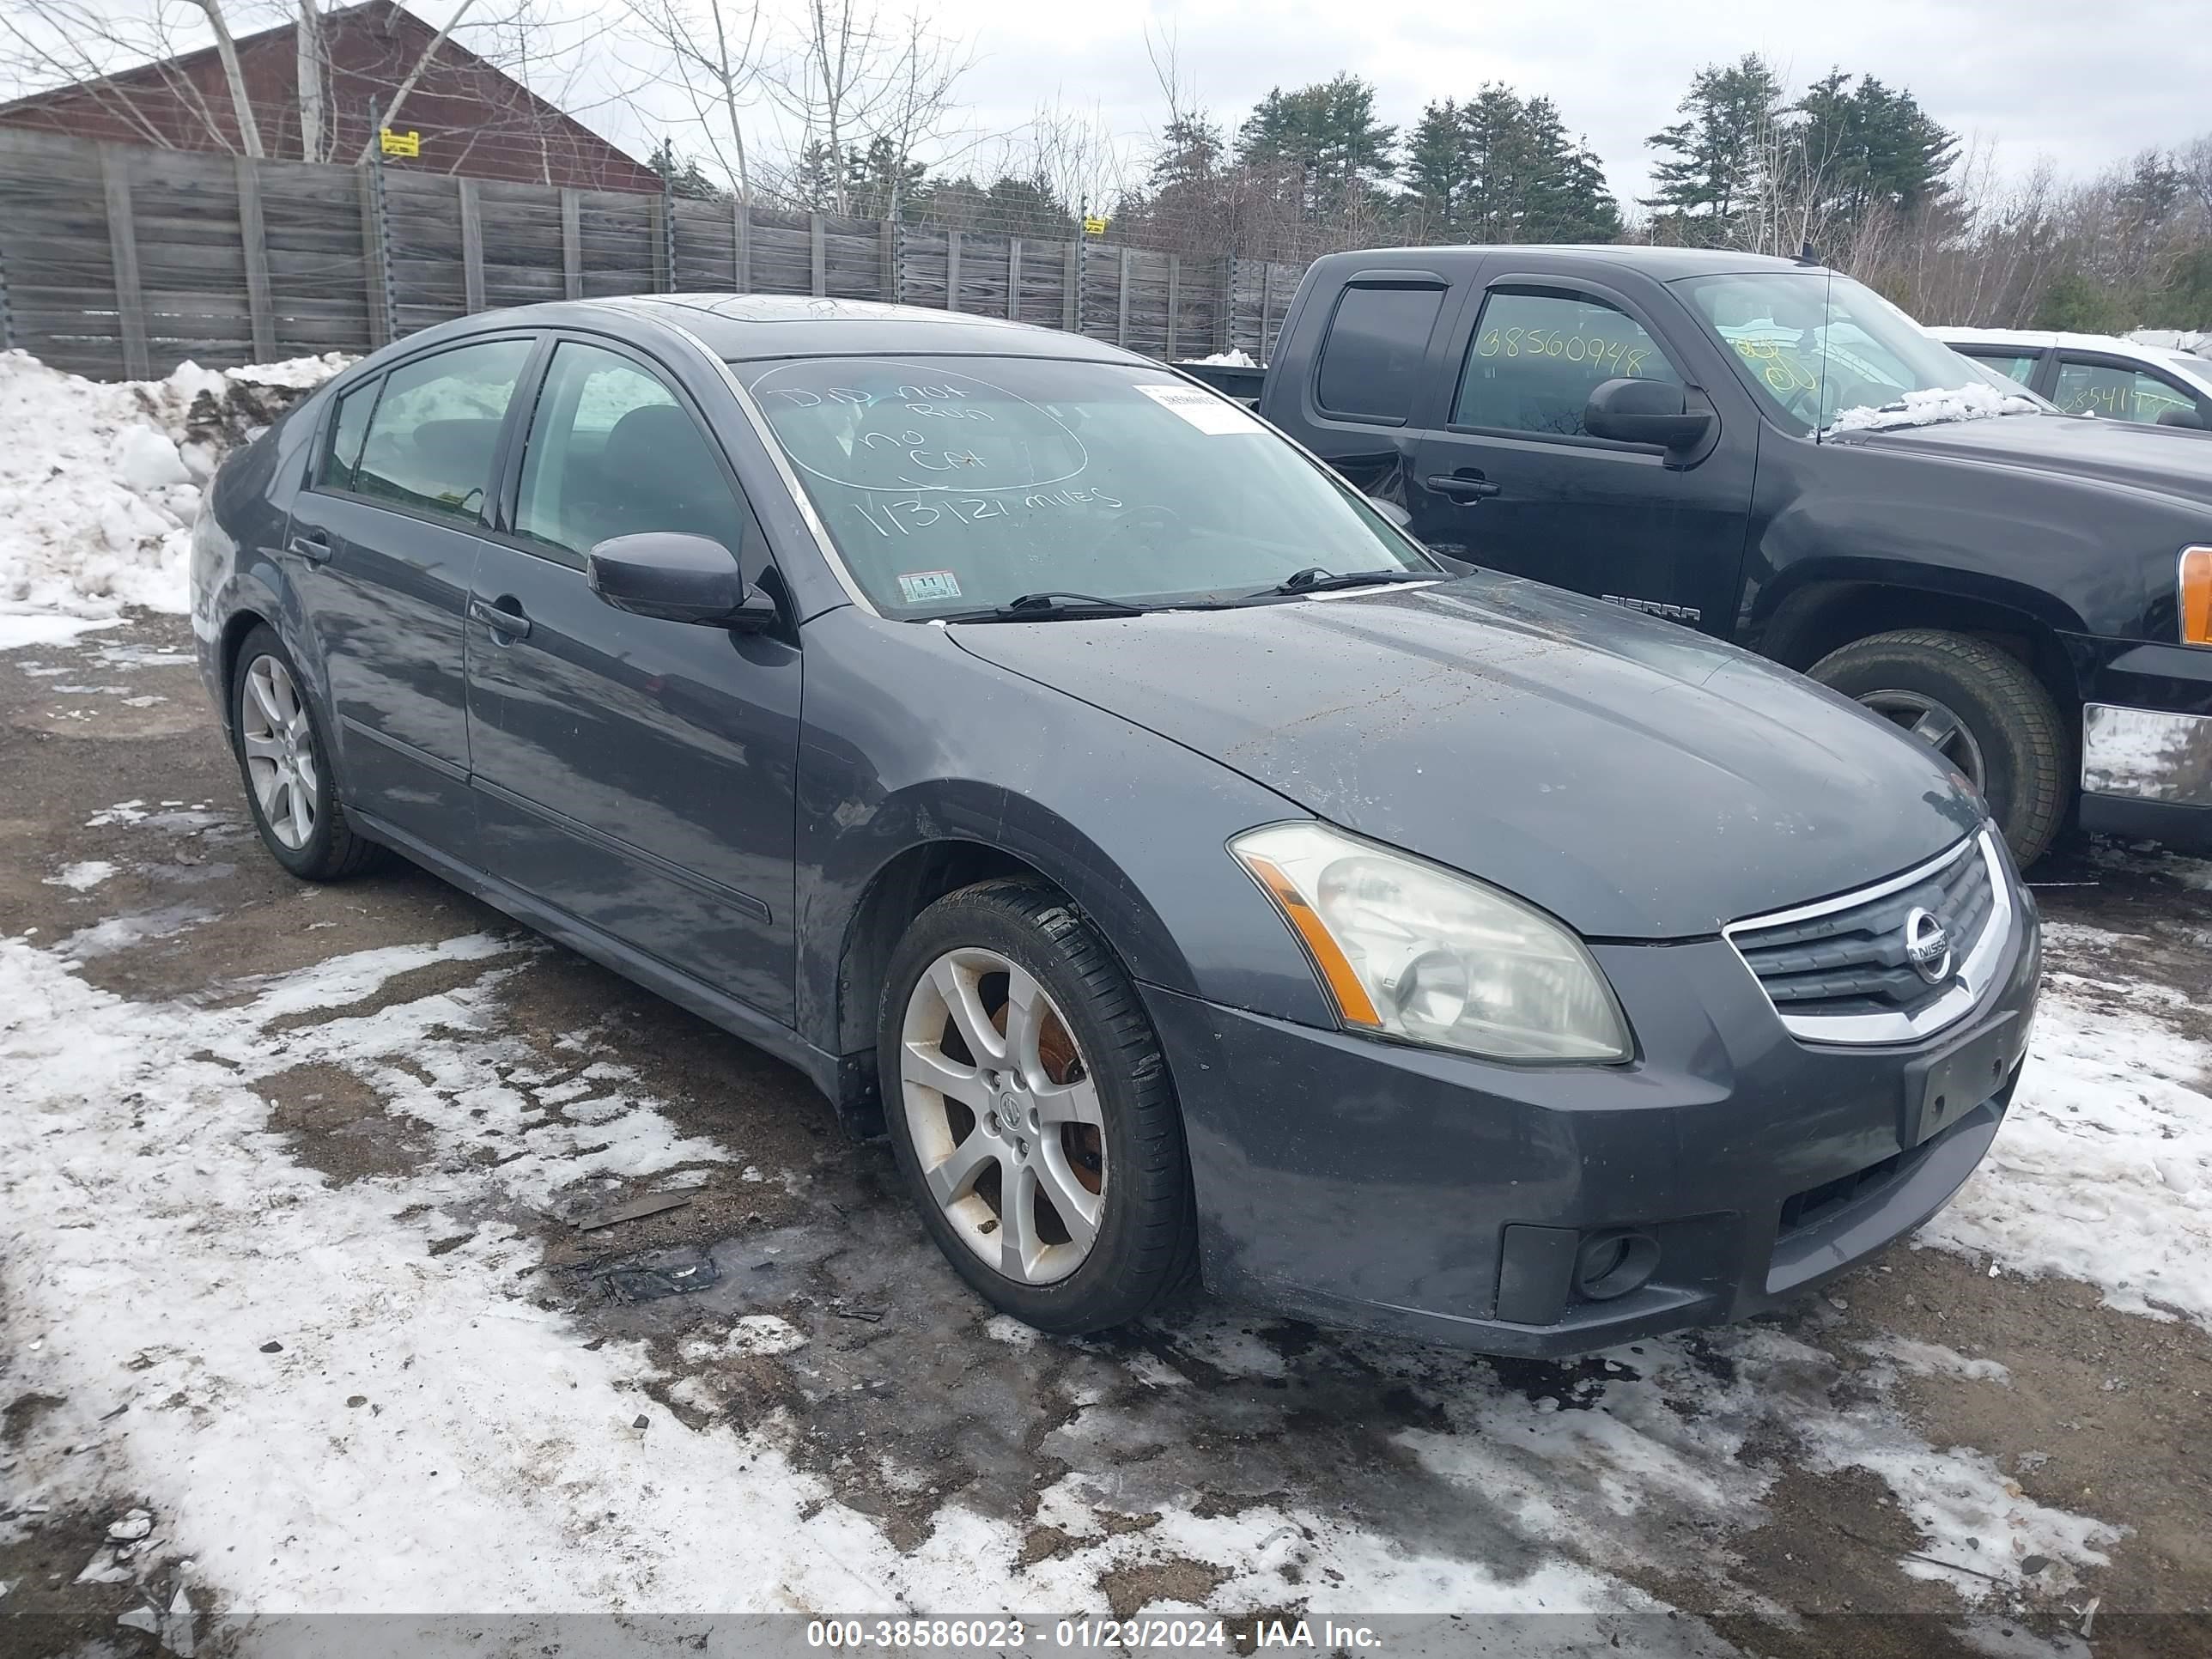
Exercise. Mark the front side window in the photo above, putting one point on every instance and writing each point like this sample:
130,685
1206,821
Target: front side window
2021,369
952,484
611,452
1536,358
436,430
1377,341
2117,393
1825,353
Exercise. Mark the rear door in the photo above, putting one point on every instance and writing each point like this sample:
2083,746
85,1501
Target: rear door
382,545
1505,475
637,774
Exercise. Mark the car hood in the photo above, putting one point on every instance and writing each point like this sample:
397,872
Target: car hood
2169,460
1634,778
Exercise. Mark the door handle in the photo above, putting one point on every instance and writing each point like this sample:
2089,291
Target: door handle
1459,489
511,624
311,545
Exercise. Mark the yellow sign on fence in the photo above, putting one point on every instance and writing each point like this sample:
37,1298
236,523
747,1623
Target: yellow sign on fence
401,143
1094,226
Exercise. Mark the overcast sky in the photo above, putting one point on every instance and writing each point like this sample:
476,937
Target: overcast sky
2087,82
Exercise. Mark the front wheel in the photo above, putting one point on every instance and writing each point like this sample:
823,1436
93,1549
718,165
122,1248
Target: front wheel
1977,707
1030,1111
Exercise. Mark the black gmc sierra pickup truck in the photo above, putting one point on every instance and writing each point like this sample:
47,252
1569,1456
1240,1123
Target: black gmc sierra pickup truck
1770,452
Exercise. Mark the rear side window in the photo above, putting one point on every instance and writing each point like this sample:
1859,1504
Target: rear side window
431,440
1377,341
342,451
1536,358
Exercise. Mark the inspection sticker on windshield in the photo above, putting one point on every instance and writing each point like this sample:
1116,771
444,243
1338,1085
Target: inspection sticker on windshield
1202,410
920,587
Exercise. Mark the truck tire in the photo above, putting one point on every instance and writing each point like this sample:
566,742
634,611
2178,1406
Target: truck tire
1981,708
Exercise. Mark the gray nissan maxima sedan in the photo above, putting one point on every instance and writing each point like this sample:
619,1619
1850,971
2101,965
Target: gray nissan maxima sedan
1078,781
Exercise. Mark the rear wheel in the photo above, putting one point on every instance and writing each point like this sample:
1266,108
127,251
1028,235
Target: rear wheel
1030,1111
284,760
1979,707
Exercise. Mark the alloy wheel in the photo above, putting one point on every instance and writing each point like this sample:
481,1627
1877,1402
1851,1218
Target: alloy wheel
281,763
1005,1118
1935,723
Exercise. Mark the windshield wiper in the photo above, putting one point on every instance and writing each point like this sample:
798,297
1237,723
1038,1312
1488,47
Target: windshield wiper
1315,580
1050,606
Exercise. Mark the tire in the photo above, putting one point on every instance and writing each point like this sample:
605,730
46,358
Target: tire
2025,754
1143,1243
331,849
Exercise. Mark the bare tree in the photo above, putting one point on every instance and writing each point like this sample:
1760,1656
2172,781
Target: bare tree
707,52
307,76
88,44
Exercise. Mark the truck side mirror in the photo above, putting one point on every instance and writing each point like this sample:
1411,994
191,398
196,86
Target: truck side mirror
1655,412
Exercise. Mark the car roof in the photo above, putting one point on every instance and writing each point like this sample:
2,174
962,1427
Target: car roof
2113,345
1668,264
742,327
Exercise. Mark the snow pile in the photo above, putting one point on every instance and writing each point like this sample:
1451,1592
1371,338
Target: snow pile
2103,1170
1976,402
1232,358
98,482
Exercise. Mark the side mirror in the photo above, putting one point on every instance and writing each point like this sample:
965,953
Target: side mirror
1652,412
2189,417
1392,510
677,577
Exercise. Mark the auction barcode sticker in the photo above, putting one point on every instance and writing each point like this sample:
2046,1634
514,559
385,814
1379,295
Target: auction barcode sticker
1204,410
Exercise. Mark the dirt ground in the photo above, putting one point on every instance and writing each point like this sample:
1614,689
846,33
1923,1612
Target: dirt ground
906,1400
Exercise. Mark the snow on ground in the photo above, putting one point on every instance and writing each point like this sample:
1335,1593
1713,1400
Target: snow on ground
100,482
2103,1170
327,1415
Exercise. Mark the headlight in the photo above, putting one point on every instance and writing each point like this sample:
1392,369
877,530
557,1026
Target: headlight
1418,952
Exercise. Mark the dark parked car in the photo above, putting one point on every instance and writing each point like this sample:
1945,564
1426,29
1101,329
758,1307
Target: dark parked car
1773,453
1034,749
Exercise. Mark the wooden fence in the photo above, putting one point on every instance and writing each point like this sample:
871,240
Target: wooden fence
118,263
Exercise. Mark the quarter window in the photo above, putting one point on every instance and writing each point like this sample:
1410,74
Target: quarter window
2116,393
1377,342
611,453
341,454
433,436
1536,358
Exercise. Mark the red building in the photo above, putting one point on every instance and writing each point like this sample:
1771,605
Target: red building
471,116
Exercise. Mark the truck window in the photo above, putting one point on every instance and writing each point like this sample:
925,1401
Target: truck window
2116,393
1372,360
1536,358
2019,367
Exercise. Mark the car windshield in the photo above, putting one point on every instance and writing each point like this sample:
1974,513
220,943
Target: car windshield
1827,354
952,485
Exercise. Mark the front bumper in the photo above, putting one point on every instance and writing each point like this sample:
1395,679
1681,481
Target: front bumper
1406,1190
2147,741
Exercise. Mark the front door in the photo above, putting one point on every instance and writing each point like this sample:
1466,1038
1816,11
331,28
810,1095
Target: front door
1509,479
637,774
381,546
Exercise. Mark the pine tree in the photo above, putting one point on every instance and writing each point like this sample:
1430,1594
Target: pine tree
682,177
1322,142
1436,167
1712,172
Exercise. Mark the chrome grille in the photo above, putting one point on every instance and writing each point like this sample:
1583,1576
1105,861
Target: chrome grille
1838,971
